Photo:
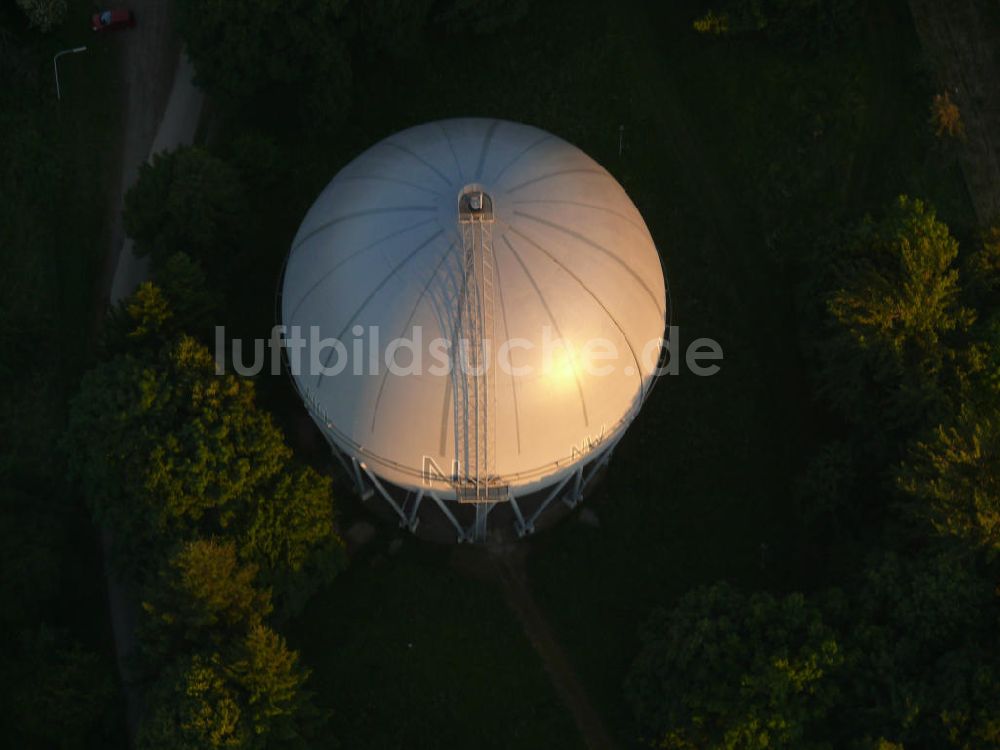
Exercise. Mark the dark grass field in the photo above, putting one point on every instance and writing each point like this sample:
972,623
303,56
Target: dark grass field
739,153
701,488
59,165
406,652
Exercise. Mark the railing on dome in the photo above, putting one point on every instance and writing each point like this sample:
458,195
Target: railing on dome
476,480
510,479
495,489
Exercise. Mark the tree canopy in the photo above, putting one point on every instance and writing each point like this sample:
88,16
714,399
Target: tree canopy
302,53
896,320
167,451
204,596
248,697
954,476
921,654
43,14
723,669
905,658
210,515
186,200
798,24
55,690
248,47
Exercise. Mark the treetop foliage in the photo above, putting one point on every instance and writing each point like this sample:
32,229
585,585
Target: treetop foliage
205,595
248,696
481,16
158,312
58,690
167,451
186,200
303,52
954,476
896,336
245,48
43,14
723,669
907,657
900,284
922,653
908,358
981,273
946,117
210,514
144,319
799,24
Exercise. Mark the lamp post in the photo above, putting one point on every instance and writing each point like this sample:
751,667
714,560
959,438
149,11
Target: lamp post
55,65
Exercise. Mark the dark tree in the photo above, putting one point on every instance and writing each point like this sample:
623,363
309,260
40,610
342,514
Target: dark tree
55,691
921,654
143,321
187,201
482,16
895,344
245,48
247,698
396,27
193,304
723,669
953,475
804,25
291,533
205,597
167,451
981,274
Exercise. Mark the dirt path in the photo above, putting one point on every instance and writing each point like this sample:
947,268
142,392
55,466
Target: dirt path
161,110
505,565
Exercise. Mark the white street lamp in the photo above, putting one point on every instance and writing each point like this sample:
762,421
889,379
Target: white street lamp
55,65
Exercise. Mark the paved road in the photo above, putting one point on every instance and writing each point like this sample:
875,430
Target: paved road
161,111
148,62
177,127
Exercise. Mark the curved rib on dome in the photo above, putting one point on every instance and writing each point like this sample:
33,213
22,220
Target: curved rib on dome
381,250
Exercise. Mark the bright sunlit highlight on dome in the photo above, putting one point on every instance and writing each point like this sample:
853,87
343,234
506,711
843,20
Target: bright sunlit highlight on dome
563,365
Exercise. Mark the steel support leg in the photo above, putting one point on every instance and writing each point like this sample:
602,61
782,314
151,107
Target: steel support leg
573,495
597,465
412,520
462,536
479,527
530,524
363,490
520,526
386,496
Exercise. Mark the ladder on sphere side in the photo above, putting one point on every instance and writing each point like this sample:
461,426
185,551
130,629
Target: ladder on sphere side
476,480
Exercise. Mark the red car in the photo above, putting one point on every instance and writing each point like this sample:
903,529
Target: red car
112,20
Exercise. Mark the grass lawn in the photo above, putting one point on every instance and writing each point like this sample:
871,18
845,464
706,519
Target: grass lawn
59,163
407,653
701,488
739,154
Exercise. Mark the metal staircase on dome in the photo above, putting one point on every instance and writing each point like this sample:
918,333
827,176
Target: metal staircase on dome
476,480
